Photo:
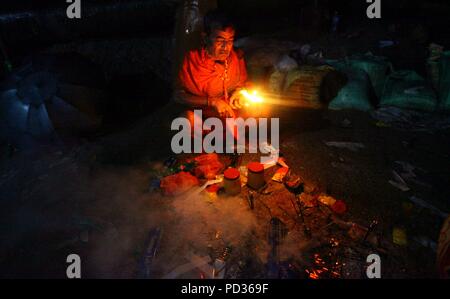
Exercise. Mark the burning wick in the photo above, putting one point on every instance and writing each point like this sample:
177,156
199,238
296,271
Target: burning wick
251,97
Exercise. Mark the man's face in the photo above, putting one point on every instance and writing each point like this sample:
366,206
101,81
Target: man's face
221,43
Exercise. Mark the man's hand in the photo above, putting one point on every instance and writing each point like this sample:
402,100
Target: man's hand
236,99
222,107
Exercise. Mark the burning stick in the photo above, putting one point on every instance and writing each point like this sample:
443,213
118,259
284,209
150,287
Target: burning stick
294,185
152,246
372,227
251,200
305,227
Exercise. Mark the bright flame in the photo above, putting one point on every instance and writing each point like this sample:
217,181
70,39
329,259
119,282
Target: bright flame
252,97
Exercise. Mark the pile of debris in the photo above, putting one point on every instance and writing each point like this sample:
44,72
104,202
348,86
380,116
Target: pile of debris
307,234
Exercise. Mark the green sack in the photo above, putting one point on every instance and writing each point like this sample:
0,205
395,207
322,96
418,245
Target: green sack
406,89
444,81
354,95
433,72
276,81
377,67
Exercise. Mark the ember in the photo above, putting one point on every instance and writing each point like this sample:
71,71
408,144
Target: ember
324,269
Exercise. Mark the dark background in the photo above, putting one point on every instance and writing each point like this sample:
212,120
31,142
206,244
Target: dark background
27,24
132,40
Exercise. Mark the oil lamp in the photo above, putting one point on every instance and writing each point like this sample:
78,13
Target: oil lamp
251,97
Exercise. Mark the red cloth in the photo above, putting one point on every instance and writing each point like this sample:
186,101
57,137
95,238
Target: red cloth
208,166
202,76
339,207
178,183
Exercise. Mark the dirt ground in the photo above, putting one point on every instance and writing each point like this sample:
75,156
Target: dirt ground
93,199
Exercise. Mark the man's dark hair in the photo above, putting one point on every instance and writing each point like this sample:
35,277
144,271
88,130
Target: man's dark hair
217,20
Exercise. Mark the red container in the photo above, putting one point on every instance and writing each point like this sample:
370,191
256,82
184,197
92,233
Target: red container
255,175
232,182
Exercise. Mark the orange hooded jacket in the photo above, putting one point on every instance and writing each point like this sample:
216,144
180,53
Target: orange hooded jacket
200,75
